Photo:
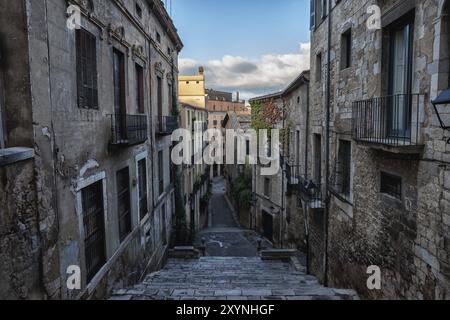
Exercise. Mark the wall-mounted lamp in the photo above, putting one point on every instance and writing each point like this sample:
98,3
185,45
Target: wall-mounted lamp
438,103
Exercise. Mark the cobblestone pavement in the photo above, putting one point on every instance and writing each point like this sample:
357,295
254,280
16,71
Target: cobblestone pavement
231,269
224,238
230,278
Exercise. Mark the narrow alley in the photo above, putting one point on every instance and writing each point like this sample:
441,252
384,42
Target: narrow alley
231,268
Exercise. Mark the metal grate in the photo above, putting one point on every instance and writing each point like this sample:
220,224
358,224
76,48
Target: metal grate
123,201
94,228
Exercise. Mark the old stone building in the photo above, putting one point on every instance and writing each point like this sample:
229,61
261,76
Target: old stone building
381,153
196,175
85,171
277,211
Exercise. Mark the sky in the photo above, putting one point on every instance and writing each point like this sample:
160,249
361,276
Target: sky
252,46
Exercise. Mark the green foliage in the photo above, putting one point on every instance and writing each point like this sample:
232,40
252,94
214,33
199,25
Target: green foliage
242,188
258,120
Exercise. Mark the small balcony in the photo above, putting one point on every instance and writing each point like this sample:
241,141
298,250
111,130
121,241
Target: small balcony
293,174
392,123
311,193
128,130
166,125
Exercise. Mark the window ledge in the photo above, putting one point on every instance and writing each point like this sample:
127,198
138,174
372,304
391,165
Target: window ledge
12,155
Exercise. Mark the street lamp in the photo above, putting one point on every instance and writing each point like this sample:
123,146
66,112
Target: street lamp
441,100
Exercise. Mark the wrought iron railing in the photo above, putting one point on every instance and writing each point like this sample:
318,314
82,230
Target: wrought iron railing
293,173
166,125
128,129
391,120
311,192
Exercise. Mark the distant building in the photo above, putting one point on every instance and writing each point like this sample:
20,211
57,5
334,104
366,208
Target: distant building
192,89
219,104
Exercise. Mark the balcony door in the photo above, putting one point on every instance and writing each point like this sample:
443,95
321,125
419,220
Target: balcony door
160,104
119,93
399,112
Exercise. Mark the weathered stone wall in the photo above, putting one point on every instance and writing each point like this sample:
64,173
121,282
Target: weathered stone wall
72,146
19,233
407,239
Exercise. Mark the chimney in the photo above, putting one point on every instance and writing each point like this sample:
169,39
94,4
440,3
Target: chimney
201,71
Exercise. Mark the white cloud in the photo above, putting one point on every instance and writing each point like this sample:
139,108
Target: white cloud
269,73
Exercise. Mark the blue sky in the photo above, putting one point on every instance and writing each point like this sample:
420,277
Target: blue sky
254,46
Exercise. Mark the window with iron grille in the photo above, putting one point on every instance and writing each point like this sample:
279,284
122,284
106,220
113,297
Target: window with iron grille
140,89
343,170
161,172
86,51
143,194
123,203
391,185
94,228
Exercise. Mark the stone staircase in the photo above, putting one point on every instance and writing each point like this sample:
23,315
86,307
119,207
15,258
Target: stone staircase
231,278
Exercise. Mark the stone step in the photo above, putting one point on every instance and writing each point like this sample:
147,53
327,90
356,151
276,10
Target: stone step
211,278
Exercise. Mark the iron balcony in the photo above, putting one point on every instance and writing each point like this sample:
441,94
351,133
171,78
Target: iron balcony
166,125
391,122
311,193
128,130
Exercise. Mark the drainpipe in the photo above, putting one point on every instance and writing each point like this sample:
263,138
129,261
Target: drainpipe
306,208
283,170
152,143
327,150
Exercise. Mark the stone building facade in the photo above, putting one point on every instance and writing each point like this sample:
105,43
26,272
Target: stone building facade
89,101
277,212
386,162
196,177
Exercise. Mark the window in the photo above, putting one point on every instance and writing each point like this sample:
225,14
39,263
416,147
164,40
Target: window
346,49
94,228
160,96
161,172
119,82
138,11
215,123
313,14
319,67
343,173
400,78
123,201
391,185
318,158
86,54
324,6
170,95
142,188
158,37
267,187
140,89
163,224
2,97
